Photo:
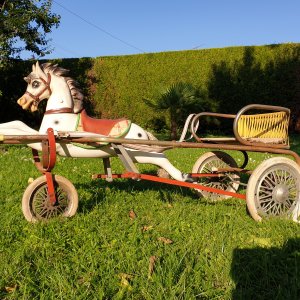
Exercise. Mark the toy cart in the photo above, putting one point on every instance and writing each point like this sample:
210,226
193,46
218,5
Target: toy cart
272,190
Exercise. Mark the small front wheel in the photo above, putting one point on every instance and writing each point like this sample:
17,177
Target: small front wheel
274,189
36,203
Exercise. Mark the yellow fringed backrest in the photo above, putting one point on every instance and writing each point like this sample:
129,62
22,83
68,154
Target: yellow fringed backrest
272,125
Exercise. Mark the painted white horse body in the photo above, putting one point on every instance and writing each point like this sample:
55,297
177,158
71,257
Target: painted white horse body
49,82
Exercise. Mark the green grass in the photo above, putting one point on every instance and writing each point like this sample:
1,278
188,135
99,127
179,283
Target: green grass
218,251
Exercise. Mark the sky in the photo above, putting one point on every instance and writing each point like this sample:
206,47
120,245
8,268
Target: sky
94,28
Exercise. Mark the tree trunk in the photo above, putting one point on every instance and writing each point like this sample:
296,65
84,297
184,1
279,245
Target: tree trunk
173,135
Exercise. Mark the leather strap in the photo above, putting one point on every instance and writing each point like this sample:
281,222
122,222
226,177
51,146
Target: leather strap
63,110
49,150
36,98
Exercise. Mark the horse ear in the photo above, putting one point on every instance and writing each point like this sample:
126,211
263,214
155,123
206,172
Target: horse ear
39,72
27,79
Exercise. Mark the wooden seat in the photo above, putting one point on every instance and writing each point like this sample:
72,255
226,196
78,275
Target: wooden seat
111,128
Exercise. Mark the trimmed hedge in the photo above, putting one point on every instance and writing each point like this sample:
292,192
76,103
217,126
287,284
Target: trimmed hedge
227,78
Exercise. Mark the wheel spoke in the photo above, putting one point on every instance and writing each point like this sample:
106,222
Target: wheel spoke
264,197
265,201
262,190
268,182
39,201
288,204
264,187
208,170
48,213
39,205
277,207
58,193
62,198
42,212
270,179
44,193
40,197
60,208
270,206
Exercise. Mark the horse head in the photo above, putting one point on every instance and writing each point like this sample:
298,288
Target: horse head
49,81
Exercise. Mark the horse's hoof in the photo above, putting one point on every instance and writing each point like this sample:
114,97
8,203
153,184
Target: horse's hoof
162,173
187,178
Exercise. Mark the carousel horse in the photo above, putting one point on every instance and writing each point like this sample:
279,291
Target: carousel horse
64,112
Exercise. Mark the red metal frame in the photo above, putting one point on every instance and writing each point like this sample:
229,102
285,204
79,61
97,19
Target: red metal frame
102,176
175,182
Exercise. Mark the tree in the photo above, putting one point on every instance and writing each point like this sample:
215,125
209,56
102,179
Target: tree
23,26
177,99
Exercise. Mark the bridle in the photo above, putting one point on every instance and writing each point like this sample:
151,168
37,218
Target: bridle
36,98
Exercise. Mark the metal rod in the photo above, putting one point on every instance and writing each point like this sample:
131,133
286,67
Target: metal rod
232,170
267,148
107,168
196,118
234,181
95,176
185,184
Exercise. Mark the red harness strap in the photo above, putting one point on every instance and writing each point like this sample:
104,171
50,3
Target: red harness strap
47,87
49,149
62,110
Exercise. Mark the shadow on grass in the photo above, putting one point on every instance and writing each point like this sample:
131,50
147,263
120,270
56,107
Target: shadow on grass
267,273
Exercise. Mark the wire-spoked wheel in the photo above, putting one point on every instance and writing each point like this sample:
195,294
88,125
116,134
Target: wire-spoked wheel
207,164
273,189
36,202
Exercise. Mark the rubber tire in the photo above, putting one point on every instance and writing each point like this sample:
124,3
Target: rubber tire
253,181
36,184
228,160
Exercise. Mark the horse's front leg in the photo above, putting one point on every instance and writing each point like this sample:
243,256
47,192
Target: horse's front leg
160,160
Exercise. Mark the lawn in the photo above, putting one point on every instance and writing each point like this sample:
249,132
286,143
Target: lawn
142,240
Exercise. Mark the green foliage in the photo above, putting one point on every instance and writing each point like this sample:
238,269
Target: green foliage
178,95
176,98
226,79
25,21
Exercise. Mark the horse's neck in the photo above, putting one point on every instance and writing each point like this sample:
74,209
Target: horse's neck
60,98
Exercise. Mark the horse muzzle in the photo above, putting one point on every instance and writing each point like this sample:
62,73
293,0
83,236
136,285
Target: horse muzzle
25,102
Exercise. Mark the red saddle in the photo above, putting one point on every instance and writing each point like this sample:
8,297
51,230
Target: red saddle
111,128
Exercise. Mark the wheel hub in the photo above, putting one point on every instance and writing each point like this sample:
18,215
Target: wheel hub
280,193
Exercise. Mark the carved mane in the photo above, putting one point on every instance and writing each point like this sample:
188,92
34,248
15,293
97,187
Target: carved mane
73,85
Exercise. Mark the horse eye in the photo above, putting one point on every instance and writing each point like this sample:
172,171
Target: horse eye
35,84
